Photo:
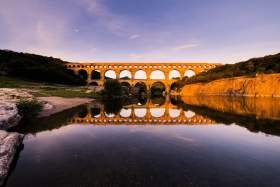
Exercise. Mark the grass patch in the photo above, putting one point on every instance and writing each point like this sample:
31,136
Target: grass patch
65,92
29,109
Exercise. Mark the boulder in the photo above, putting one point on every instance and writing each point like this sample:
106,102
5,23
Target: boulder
9,116
9,144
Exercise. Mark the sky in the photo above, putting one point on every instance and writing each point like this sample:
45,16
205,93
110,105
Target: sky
222,31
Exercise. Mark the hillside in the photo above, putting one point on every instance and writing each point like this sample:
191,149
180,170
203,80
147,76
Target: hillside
36,68
265,65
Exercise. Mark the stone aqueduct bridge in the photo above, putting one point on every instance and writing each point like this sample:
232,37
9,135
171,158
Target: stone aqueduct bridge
134,68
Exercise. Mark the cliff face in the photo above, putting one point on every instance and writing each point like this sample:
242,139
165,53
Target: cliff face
260,86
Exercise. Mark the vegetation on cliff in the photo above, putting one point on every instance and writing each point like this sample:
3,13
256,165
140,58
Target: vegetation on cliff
266,65
36,68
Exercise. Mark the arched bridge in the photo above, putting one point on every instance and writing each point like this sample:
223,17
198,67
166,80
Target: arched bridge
133,73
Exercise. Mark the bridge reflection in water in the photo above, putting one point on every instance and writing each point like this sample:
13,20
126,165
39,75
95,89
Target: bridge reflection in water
136,114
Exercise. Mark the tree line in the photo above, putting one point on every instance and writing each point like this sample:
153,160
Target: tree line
37,68
264,65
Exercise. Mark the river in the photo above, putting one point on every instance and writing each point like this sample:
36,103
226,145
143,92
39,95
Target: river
158,142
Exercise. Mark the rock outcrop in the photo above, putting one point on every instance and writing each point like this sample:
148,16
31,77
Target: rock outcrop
259,86
9,144
9,116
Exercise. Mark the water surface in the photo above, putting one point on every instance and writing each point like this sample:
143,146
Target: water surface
157,144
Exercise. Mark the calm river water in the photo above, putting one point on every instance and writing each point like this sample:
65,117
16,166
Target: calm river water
161,142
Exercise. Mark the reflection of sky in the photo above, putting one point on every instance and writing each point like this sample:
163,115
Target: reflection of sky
143,30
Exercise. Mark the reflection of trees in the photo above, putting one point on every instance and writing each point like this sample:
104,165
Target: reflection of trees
251,122
143,98
157,89
175,100
158,100
95,111
95,75
48,123
83,112
113,106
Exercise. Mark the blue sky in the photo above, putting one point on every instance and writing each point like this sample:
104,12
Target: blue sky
223,31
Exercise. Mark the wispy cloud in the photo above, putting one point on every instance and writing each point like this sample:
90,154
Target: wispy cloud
113,22
134,36
185,46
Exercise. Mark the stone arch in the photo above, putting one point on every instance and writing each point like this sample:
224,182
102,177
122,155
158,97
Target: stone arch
125,75
110,74
174,75
140,75
157,112
95,75
157,75
83,74
189,73
140,112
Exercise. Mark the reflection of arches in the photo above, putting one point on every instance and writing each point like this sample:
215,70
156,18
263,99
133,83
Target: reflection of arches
95,75
140,75
189,114
125,74
189,73
157,75
174,74
109,115
125,112
158,101
83,74
95,112
174,113
157,112
140,112
93,84
110,74
83,112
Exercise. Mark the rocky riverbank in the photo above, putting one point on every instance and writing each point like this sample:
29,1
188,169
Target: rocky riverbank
9,144
9,117
262,85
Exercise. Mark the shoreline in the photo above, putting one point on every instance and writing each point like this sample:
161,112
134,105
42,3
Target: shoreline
53,105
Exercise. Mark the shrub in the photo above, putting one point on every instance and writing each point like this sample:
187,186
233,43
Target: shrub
112,88
29,108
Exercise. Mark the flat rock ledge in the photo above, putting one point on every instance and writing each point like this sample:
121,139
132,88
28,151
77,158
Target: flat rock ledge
9,144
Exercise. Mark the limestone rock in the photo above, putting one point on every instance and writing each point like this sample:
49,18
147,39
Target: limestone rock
9,143
9,116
